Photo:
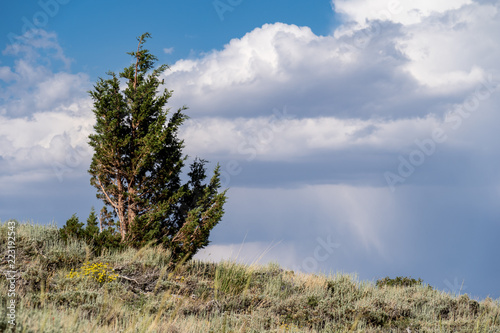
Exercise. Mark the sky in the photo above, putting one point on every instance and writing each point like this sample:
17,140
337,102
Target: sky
354,136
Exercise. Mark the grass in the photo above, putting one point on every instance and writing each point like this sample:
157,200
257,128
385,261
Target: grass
146,296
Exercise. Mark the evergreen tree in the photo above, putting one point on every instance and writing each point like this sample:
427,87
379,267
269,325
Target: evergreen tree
138,161
72,229
91,229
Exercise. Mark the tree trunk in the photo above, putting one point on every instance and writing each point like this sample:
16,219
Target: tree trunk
120,209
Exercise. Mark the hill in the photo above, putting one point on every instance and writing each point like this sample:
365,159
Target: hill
63,287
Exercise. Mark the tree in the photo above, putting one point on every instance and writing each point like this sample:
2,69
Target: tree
91,229
138,160
72,229
98,240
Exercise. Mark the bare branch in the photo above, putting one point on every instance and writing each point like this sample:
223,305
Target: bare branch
127,278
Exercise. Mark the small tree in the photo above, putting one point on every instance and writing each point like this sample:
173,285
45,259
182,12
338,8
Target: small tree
98,240
138,161
91,229
72,229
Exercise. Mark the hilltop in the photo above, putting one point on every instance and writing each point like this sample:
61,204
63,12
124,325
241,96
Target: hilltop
63,287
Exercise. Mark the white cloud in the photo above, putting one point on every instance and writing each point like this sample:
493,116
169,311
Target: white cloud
275,62
38,43
48,144
168,50
385,71
55,90
36,88
439,38
345,98
375,97
446,52
247,253
269,139
6,74
405,12
45,114
243,60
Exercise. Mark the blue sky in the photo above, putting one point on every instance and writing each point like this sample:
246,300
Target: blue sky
356,136
189,27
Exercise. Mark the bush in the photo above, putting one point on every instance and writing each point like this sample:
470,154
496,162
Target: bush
73,230
400,281
231,278
97,271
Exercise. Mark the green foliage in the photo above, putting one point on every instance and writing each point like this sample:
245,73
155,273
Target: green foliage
399,281
107,239
72,229
91,229
231,279
137,163
98,241
200,210
312,301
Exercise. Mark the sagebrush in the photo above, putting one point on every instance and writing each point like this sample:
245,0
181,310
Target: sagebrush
150,295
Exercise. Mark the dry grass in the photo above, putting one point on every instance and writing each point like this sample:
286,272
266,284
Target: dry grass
207,297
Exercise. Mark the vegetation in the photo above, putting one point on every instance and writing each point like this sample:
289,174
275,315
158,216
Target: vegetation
98,240
137,290
137,164
399,281
98,271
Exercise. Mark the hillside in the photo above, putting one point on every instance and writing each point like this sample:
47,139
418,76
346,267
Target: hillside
134,291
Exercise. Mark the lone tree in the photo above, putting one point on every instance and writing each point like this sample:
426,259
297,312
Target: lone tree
138,161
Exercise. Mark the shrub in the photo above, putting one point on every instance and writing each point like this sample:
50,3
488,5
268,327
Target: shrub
99,272
73,230
400,281
231,278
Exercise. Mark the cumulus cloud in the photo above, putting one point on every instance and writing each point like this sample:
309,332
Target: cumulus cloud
285,64
45,115
385,70
368,93
440,39
39,80
6,74
446,52
36,45
404,12
364,93
272,139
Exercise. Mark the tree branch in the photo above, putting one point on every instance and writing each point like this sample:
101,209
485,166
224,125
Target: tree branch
137,60
128,279
106,194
